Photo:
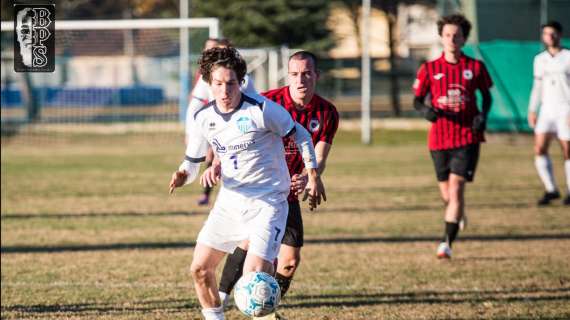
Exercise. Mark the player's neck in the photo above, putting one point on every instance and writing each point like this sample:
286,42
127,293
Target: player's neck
553,50
301,103
452,57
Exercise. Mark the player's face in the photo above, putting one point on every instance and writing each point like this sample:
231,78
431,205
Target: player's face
452,38
550,37
225,87
302,79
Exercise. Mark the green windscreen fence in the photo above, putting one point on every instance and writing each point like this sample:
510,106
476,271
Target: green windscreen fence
510,66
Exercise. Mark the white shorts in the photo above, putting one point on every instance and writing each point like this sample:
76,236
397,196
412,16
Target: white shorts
551,123
258,221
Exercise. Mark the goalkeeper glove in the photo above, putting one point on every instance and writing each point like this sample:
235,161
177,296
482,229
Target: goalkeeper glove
479,123
430,114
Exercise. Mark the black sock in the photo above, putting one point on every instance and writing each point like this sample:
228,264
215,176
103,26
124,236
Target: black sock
284,283
233,270
451,230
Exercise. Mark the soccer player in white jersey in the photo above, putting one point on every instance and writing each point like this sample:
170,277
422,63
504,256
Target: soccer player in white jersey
201,95
246,135
551,91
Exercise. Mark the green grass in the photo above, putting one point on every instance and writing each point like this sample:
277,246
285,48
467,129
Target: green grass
89,232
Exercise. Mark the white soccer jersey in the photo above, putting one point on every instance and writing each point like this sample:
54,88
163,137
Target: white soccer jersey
249,143
202,94
551,87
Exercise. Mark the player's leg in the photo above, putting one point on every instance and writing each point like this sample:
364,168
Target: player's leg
290,251
233,270
542,137
203,271
266,225
563,131
204,199
441,162
455,208
462,165
565,144
444,191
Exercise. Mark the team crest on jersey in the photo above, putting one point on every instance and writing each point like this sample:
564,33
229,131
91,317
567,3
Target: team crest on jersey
212,125
468,74
314,125
438,76
244,124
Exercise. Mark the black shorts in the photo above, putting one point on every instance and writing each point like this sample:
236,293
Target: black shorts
294,230
460,161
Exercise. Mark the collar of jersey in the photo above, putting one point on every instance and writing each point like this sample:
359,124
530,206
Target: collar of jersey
228,116
461,58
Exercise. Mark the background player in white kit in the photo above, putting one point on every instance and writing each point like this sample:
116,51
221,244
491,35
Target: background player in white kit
551,90
246,135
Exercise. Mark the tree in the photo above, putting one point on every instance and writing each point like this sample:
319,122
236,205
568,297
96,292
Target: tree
258,23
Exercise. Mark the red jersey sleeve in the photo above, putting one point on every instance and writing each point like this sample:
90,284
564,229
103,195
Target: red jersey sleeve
421,84
330,126
484,81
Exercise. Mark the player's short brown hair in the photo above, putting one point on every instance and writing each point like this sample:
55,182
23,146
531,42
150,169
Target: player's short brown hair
305,55
455,19
554,25
227,57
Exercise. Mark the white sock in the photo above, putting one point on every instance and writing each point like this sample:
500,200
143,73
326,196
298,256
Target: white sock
213,313
544,168
224,297
567,169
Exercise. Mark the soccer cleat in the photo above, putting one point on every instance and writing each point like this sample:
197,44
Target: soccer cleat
547,197
567,200
204,200
443,251
463,223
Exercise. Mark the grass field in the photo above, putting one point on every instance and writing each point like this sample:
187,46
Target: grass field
89,232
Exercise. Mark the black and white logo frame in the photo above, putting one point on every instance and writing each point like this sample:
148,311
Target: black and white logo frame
34,37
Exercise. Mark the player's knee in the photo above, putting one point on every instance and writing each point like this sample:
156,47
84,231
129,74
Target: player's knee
200,272
540,150
445,197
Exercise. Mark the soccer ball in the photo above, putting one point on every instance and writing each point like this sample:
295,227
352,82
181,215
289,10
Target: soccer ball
257,294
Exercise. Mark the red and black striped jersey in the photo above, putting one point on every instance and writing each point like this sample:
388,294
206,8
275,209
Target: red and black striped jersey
452,88
319,117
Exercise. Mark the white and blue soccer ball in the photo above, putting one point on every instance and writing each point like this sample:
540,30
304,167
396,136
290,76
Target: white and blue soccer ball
257,294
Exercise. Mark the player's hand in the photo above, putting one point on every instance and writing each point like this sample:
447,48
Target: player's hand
211,175
298,183
431,114
177,180
532,119
315,190
479,123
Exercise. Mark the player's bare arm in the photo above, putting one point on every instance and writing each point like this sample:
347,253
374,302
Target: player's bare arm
315,190
299,181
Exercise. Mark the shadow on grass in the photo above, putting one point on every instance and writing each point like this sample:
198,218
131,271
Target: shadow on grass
428,297
167,306
363,209
24,216
346,300
325,241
